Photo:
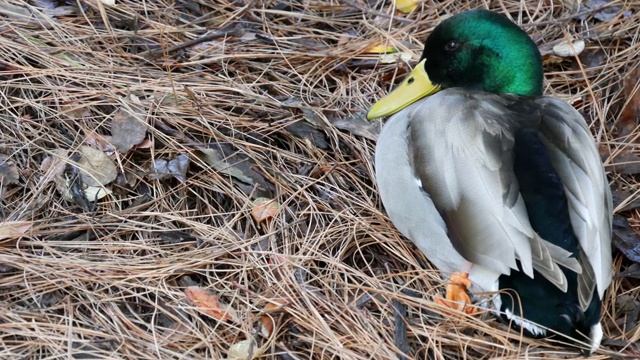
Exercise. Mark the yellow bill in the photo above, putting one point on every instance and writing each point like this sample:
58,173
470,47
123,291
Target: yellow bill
416,86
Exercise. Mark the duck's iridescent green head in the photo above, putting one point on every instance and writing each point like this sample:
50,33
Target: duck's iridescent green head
483,50
476,50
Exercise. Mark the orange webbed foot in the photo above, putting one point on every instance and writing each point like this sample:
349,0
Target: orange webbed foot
457,296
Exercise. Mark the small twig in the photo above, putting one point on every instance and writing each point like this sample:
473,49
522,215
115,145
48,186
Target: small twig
155,53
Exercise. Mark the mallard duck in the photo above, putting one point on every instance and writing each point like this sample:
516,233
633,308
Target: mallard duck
500,187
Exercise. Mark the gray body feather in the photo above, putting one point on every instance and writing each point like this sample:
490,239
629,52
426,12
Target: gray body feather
444,166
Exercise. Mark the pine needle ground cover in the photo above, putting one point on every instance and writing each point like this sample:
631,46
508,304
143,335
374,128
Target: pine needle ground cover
194,179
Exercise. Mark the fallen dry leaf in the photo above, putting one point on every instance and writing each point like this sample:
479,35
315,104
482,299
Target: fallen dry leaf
264,209
381,49
145,144
305,130
94,193
100,142
52,166
9,173
624,162
244,350
75,109
96,168
225,159
632,271
626,239
208,303
215,159
129,125
33,19
392,58
406,6
567,49
68,10
267,322
628,121
625,199
603,10
176,167
14,229
358,125
591,58
54,169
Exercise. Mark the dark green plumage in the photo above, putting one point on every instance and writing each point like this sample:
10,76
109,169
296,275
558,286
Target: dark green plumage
546,204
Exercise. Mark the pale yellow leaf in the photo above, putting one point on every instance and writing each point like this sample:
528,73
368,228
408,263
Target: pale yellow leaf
94,193
406,6
244,350
394,57
381,49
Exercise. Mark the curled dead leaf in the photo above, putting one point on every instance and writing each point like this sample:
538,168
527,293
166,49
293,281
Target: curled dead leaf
268,322
566,49
95,193
244,350
602,10
145,144
53,166
242,169
209,303
624,162
176,167
357,125
264,209
391,58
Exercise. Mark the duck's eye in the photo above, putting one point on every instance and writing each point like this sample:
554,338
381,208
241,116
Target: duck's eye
452,45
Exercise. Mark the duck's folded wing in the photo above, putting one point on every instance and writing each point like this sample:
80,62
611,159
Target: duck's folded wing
575,157
463,156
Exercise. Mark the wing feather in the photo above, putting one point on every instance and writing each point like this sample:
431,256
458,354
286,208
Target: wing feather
575,157
462,156
468,146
